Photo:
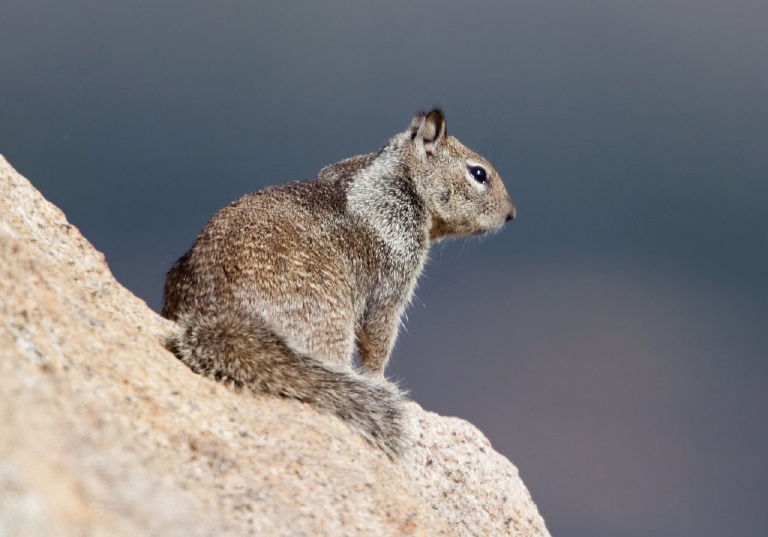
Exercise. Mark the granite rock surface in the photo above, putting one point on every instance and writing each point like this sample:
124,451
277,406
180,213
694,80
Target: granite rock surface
105,433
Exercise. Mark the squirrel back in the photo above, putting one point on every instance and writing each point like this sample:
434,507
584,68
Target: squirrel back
284,285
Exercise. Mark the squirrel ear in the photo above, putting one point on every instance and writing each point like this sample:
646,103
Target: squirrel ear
428,131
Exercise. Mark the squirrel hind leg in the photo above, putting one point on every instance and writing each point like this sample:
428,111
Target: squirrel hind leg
245,352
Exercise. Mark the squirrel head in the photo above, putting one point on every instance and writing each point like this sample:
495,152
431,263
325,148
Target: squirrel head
463,192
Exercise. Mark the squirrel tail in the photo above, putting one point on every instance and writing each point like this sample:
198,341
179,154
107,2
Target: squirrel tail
231,348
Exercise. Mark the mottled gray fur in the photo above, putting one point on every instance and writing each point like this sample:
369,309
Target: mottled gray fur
284,285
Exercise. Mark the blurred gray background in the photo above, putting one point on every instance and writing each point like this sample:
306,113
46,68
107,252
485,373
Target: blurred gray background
612,341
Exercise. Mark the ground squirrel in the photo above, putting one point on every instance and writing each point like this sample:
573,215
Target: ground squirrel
284,285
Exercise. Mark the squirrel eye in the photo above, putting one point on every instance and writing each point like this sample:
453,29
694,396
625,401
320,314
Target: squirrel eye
479,174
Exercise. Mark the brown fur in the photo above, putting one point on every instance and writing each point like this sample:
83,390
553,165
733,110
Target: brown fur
285,284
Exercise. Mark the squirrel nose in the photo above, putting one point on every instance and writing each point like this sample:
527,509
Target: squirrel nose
511,215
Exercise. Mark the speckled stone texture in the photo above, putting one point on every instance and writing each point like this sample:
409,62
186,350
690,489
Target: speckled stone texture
104,433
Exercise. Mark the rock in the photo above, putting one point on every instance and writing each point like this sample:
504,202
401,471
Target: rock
105,433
